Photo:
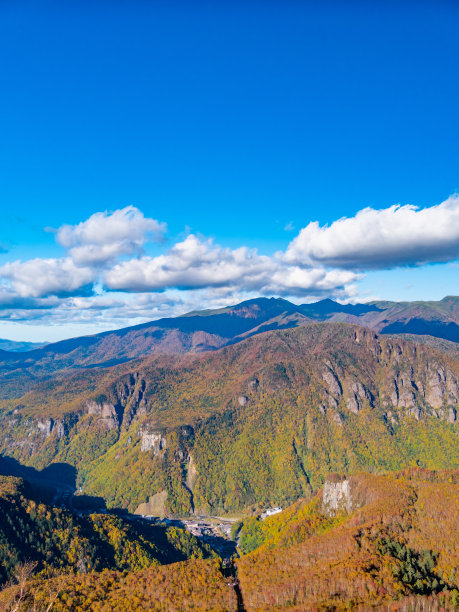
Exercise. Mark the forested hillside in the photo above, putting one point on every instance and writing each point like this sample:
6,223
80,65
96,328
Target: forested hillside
260,422
364,542
196,585
209,330
55,540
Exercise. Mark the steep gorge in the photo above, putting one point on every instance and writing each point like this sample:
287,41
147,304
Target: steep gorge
262,421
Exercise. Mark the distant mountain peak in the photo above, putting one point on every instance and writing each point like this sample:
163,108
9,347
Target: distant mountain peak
327,301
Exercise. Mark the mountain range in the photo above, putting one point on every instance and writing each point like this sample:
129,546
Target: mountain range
209,330
260,421
229,412
19,347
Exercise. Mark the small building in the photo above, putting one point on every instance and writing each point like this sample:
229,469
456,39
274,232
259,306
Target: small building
270,512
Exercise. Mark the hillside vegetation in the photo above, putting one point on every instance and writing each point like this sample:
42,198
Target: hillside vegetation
196,585
260,422
364,542
209,330
57,540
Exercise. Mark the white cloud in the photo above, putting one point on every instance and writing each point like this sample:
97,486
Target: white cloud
95,284
105,236
37,278
111,310
189,264
194,264
381,239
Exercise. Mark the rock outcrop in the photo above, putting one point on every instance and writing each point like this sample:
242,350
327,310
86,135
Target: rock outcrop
336,495
434,389
356,395
45,427
153,441
106,412
50,426
332,381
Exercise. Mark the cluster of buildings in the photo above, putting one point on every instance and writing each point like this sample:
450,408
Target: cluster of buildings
202,529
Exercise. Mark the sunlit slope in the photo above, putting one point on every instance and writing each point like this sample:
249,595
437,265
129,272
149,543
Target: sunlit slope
195,585
361,543
259,422
364,542
209,330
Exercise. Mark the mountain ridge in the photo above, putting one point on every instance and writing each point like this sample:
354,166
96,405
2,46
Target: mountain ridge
210,330
262,420
315,311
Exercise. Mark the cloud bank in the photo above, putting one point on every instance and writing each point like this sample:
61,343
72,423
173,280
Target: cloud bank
197,264
107,274
43,277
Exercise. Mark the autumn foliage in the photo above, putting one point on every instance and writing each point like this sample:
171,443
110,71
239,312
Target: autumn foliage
400,543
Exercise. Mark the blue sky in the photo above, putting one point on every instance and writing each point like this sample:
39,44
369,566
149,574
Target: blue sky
239,122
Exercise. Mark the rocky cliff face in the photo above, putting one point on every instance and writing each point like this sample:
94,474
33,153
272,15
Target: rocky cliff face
402,377
153,441
106,413
336,495
45,427
50,426
264,419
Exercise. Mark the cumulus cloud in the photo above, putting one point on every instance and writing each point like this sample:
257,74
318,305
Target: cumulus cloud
194,264
105,236
381,239
191,263
44,277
